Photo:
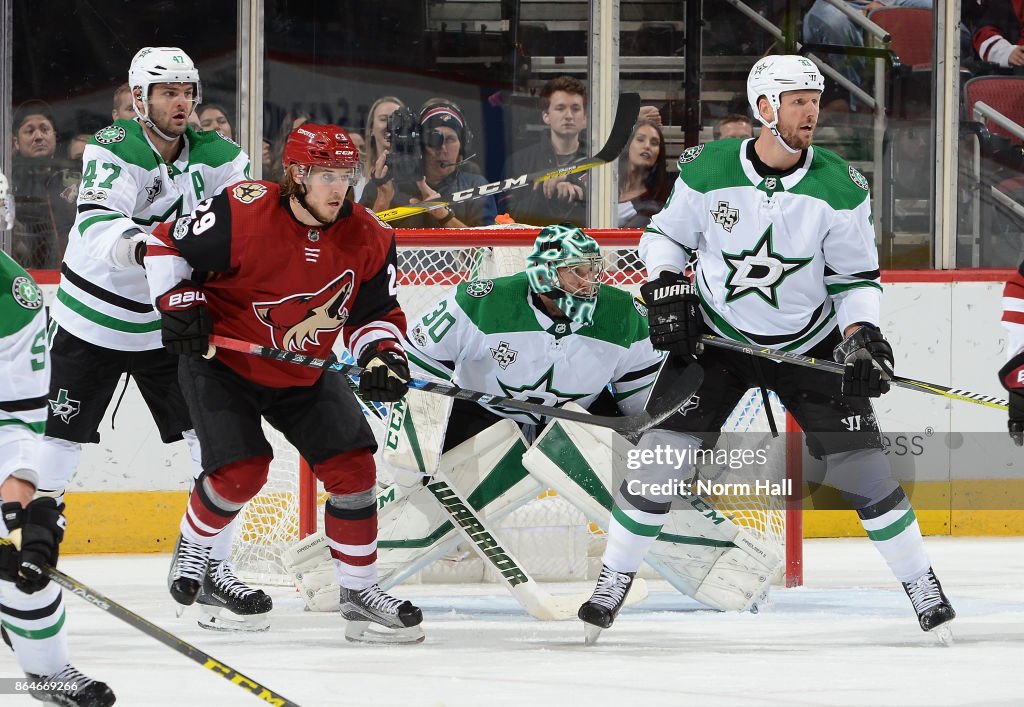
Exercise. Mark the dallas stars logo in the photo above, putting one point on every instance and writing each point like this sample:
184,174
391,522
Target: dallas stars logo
64,407
544,394
504,355
759,270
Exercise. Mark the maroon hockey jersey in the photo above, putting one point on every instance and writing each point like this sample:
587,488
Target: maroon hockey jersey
274,281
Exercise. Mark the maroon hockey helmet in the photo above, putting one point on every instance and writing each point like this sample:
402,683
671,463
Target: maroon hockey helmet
320,146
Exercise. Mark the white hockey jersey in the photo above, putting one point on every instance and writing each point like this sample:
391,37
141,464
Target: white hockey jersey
24,371
782,260
488,335
127,185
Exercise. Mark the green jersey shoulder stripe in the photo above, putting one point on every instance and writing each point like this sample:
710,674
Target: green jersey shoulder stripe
487,304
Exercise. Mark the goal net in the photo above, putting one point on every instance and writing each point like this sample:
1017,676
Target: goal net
550,537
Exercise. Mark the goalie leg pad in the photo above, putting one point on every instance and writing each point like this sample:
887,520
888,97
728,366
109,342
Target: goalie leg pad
312,569
411,535
415,435
700,552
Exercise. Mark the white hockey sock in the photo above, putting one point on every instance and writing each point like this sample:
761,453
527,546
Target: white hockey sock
57,463
630,535
35,625
222,542
892,526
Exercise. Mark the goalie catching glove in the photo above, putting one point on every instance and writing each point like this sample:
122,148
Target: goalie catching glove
1012,378
185,324
673,314
869,362
387,371
36,531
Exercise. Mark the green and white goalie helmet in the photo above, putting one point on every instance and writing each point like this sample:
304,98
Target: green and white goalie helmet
566,265
153,65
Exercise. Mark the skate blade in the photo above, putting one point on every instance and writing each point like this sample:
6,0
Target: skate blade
223,620
591,633
373,633
943,634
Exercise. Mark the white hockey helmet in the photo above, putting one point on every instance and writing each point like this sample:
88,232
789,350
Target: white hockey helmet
6,204
774,75
153,65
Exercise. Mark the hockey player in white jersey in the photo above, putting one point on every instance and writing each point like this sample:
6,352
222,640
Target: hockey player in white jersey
786,260
31,607
136,174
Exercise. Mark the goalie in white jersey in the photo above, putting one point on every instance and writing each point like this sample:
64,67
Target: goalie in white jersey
136,175
787,260
31,607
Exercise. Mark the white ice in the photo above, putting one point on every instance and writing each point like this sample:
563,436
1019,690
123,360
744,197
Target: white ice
848,637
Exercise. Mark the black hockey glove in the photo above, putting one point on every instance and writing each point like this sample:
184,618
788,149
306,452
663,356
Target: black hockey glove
36,530
185,324
673,313
387,371
1012,377
868,360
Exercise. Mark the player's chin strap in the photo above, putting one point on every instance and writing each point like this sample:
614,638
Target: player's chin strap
144,117
773,128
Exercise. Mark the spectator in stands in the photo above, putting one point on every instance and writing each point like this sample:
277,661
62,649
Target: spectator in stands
267,159
43,216
213,116
290,122
77,146
651,114
445,137
375,154
824,23
644,184
999,37
123,109
734,125
563,106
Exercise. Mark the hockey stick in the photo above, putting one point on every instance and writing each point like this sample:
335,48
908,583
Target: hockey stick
537,602
685,382
168,639
622,127
837,368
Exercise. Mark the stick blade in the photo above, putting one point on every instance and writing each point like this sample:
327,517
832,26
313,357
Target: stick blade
674,387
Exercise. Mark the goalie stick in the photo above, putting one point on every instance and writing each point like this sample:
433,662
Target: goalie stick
225,671
838,368
625,116
530,595
672,395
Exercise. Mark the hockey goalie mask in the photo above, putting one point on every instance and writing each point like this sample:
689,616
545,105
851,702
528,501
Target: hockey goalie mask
155,65
774,75
566,265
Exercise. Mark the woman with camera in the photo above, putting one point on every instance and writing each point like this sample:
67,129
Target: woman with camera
425,160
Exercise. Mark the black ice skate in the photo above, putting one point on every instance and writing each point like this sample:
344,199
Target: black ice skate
228,604
70,687
934,612
609,595
363,607
188,568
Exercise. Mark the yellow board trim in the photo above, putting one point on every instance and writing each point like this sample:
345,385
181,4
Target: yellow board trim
147,521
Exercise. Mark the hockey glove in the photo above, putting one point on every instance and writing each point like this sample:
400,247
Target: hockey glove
868,360
36,531
673,313
387,371
1012,378
185,324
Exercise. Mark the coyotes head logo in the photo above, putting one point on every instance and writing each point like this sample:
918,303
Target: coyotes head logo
298,319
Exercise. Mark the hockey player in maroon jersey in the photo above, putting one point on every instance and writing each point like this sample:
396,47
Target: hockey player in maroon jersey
289,265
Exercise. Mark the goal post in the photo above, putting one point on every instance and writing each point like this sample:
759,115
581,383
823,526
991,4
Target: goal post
553,540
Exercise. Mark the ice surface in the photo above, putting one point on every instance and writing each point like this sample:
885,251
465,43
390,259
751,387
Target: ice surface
848,637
